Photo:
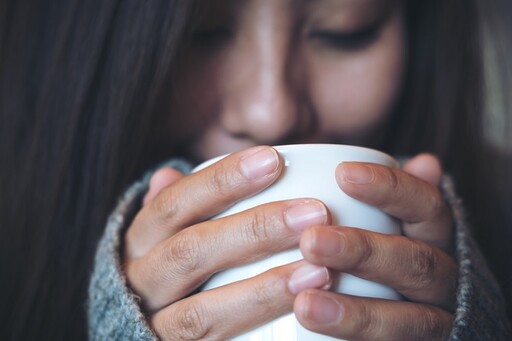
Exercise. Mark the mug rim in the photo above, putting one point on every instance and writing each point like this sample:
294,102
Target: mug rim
302,146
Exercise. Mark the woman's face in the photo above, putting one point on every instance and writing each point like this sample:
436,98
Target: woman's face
287,71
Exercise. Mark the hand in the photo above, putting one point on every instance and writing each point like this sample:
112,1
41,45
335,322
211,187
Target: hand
171,248
418,264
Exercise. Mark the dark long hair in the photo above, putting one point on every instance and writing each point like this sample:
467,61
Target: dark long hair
80,84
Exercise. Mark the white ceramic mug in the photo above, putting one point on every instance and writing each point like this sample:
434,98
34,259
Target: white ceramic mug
310,172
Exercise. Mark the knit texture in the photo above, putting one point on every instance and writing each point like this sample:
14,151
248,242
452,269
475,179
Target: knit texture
480,313
115,314
114,311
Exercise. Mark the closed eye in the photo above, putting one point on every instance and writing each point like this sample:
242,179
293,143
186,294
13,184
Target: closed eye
345,40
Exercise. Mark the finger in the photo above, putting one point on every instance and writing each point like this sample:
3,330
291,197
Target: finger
161,179
359,318
426,167
180,264
221,313
415,269
201,195
414,201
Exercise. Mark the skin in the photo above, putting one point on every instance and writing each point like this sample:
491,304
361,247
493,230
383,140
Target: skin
272,79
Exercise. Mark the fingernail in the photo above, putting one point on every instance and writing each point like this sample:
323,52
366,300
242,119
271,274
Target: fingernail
308,276
328,243
323,309
258,164
357,173
300,216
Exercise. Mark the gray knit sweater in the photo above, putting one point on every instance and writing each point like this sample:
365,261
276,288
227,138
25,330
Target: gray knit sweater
115,314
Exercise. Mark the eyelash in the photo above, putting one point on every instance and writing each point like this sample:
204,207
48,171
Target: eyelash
345,41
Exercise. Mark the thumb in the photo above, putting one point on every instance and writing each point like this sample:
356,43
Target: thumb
161,179
426,167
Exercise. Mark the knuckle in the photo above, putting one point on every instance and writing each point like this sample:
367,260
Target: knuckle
365,252
430,323
165,207
369,324
155,273
265,293
184,253
187,323
423,264
257,227
219,182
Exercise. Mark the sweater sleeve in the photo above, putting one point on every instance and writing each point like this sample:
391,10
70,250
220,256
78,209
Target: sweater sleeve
480,312
113,309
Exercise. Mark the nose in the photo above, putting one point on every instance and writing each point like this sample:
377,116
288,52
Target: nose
261,99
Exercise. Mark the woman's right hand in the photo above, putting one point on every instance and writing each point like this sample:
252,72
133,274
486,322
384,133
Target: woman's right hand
171,248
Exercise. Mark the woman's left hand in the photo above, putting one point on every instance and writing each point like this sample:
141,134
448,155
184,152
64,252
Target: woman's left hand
418,264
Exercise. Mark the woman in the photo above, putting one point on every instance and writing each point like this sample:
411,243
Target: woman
117,124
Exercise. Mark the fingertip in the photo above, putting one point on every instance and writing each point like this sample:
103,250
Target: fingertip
316,309
159,180
357,173
425,166
309,276
260,163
